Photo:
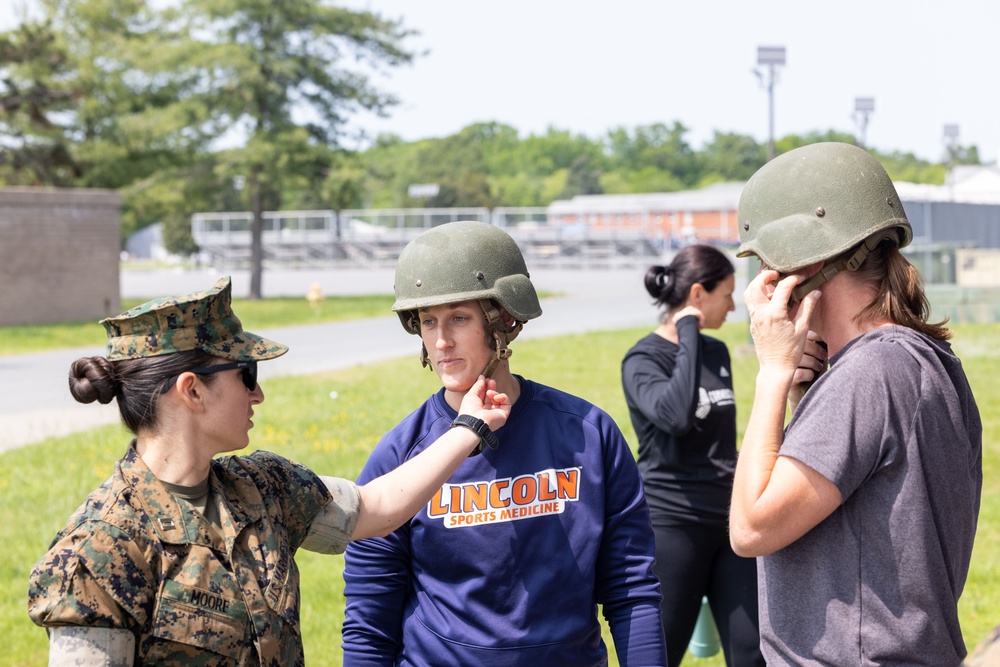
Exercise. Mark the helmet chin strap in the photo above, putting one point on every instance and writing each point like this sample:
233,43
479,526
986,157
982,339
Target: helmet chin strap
502,352
848,261
499,344
413,326
494,329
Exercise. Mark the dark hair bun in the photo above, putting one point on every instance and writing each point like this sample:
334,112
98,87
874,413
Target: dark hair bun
655,280
91,379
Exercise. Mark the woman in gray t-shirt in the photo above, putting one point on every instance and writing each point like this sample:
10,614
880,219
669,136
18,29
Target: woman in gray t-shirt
864,508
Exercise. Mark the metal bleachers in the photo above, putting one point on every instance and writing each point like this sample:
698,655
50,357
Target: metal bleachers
377,236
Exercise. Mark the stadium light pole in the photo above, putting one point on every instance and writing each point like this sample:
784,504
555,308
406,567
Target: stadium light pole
770,57
862,107
951,140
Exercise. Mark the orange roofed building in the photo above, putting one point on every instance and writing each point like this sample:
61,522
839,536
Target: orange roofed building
707,215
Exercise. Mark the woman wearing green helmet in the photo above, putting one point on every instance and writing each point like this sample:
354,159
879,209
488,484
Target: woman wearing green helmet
508,563
864,508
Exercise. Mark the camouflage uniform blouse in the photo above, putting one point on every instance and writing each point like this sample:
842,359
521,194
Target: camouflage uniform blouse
132,557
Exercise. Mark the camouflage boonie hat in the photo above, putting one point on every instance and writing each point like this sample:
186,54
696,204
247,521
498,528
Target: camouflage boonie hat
197,321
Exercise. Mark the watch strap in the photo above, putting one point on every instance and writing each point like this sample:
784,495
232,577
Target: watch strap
481,429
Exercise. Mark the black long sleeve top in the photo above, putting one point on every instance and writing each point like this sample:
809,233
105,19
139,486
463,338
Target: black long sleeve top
681,402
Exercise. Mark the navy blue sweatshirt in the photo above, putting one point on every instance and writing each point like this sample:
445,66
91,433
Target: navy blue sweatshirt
508,563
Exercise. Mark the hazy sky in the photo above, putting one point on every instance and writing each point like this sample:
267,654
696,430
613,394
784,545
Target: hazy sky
589,66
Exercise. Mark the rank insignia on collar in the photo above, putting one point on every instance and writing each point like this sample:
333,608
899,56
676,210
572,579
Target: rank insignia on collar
166,524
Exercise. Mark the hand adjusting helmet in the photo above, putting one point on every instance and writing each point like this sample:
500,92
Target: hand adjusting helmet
827,201
465,261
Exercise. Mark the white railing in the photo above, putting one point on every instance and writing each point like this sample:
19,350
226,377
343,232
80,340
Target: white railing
235,222
408,218
367,236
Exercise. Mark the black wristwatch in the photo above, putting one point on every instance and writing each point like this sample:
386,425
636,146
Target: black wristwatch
481,428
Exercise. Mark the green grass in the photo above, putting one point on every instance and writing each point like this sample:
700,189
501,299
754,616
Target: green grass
41,485
265,314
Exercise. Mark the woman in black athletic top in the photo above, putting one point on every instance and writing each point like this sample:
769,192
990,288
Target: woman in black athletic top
679,389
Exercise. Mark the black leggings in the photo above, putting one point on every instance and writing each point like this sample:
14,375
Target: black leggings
693,561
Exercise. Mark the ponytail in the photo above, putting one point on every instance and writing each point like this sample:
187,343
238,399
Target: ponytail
703,264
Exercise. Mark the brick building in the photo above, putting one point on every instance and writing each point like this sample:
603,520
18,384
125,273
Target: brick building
59,252
707,215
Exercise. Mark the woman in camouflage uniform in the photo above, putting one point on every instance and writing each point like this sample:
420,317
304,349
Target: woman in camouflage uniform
184,559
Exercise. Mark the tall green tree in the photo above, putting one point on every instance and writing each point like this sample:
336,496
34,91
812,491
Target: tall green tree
456,164
35,95
83,99
583,178
790,142
285,77
135,95
907,167
655,146
733,157
959,154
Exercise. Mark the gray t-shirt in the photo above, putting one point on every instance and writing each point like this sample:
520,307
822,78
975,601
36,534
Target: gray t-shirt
893,424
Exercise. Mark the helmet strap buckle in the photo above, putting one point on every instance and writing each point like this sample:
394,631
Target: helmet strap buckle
495,329
491,314
501,352
413,323
849,261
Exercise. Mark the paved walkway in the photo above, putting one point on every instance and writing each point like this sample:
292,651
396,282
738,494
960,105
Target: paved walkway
35,402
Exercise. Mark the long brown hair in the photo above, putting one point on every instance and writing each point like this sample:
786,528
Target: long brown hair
900,297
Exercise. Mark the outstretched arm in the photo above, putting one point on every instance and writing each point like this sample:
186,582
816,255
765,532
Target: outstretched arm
388,501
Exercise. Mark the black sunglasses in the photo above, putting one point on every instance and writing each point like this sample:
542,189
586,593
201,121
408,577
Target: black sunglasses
249,373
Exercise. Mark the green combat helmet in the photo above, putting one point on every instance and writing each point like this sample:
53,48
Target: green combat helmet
464,261
827,201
